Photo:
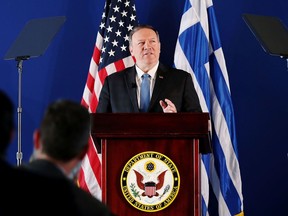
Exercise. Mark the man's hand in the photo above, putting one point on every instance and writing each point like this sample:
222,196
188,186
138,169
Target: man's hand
168,106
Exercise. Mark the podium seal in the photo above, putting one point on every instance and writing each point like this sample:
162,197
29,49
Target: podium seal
150,181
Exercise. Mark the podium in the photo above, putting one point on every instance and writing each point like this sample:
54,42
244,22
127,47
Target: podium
151,161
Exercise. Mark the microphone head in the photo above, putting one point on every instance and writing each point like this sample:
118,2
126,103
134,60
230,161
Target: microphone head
133,85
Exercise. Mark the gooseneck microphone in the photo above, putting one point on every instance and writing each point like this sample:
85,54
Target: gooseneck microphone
133,85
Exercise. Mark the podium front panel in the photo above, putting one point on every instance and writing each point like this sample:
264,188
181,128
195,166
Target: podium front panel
184,153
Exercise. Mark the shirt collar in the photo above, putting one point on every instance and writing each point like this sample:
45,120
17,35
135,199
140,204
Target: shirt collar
151,72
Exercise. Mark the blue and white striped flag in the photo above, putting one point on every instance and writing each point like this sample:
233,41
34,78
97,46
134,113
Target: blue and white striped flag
198,51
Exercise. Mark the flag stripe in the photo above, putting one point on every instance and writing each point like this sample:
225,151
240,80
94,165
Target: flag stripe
111,54
198,51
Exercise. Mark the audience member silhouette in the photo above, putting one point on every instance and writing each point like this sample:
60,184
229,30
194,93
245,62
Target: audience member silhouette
60,144
27,192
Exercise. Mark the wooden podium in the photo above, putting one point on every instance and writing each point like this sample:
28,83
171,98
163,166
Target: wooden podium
125,140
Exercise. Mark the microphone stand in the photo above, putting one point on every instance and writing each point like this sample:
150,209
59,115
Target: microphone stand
19,60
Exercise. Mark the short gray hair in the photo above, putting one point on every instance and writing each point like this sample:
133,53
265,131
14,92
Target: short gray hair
139,27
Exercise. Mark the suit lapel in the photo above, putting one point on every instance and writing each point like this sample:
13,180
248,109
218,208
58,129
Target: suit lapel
159,83
130,79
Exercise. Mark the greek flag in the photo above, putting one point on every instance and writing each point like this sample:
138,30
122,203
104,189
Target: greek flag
198,51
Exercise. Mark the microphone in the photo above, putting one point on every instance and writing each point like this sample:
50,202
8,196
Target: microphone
133,85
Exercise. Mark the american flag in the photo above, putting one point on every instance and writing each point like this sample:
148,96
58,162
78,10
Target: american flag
111,54
198,51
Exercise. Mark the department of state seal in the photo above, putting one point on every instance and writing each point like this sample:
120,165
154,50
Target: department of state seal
150,181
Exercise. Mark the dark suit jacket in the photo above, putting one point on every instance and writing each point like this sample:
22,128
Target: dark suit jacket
78,200
119,92
26,193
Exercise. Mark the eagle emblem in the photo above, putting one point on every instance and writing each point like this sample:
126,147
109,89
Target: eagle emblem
150,188
150,181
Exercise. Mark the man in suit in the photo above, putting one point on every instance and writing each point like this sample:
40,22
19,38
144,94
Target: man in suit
172,90
60,144
22,191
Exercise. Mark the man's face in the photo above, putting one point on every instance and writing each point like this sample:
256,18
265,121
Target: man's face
145,47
